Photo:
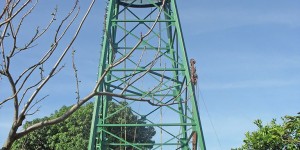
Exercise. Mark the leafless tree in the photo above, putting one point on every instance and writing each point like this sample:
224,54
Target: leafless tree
28,84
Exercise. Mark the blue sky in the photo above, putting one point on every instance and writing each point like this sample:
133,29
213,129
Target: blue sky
248,63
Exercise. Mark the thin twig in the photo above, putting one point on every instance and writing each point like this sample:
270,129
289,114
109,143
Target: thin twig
38,101
76,76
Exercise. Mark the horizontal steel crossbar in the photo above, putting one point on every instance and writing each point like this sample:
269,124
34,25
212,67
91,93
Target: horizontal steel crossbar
150,94
142,144
143,125
153,69
143,20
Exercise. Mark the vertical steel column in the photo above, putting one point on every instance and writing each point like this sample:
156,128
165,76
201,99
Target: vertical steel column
191,88
176,74
100,105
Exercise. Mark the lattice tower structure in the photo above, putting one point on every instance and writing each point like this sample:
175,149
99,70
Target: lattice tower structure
145,70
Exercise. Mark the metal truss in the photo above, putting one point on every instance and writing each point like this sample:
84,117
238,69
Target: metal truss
146,71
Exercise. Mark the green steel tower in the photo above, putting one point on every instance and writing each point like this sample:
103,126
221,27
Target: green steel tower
145,74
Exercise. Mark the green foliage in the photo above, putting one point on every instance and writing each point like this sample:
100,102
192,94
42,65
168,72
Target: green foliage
71,133
124,115
274,136
74,132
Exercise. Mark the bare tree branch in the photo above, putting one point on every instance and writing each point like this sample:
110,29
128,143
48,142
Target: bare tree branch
56,120
60,32
134,72
10,12
38,101
16,13
131,51
30,114
76,76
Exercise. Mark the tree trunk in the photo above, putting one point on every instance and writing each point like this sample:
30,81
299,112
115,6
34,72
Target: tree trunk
7,145
12,137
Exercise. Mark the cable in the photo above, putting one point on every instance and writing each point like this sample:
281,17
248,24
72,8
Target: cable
125,45
208,114
161,110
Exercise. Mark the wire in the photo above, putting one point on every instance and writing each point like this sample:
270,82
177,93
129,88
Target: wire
208,114
161,110
125,45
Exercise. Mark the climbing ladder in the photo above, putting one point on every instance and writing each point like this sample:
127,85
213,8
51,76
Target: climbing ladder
145,75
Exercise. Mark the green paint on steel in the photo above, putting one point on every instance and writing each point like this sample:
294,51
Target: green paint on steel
145,125
98,101
142,21
152,69
143,144
158,70
196,115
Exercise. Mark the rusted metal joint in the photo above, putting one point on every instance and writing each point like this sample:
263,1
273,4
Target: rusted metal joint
194,141
194,76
